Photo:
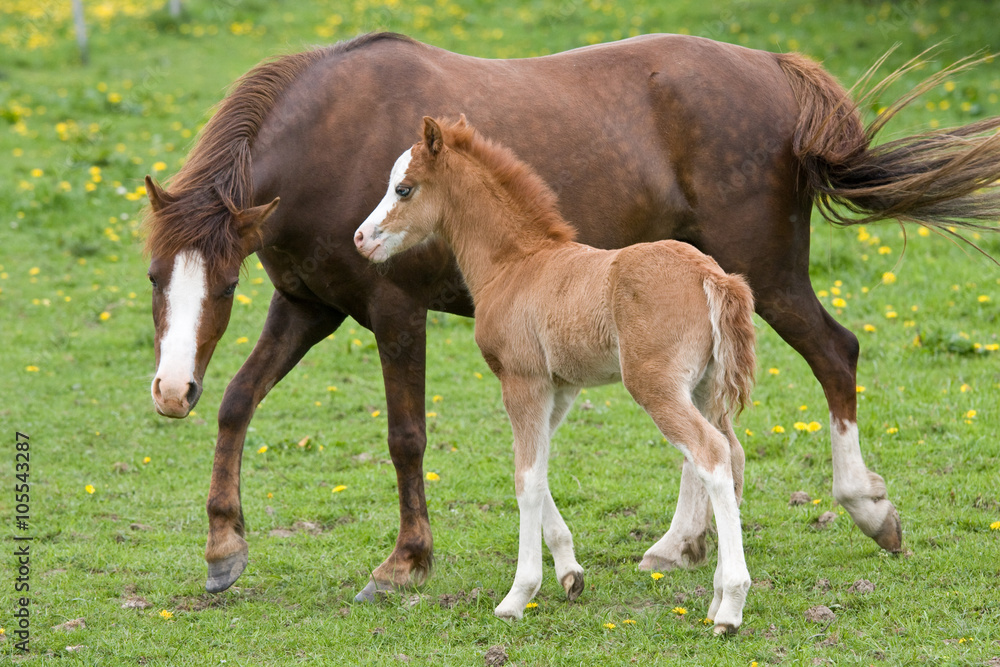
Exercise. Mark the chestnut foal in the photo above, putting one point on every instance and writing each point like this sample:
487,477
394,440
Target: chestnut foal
553,316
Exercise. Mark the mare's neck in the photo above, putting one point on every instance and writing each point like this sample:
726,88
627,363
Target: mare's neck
491,235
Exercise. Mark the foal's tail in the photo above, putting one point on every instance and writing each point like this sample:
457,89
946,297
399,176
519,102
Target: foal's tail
730,306
940,178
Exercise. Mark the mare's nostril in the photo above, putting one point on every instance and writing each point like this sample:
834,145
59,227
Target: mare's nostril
359,238
192,393
156,389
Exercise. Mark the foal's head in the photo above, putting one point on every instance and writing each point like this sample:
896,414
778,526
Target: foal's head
197,244
414,202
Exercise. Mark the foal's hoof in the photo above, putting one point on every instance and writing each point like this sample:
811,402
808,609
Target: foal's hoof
890,535
373,590
223,573
724,629
572,583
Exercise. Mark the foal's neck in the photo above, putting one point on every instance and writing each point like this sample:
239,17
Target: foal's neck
492,230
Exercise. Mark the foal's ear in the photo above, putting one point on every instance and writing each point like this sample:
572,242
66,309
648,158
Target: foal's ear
250,222
158,198
433,138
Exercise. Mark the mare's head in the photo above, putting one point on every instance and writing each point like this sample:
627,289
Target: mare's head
197,243
414,202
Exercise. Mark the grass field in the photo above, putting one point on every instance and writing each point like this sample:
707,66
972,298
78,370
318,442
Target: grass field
117,493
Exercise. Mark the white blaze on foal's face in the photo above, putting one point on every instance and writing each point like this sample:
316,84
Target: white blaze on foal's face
175,388
377,240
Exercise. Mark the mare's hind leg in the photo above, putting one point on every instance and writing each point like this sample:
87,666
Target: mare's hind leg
557,535
529,404
832,352
292,327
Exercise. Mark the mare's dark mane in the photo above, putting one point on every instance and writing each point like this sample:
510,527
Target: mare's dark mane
517,177
215,182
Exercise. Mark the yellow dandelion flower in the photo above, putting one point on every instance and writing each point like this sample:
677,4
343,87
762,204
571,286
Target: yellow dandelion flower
800,426
970,414
863,234
983,298
656,576
146,460
923,231
778,429
817,501
891,314
433,477
610,626
803,408
437,398
37,173
376,413
31,369
884,250
34,271
773,371
707,621
870,328
680,611
822,293
241,340
995,525
89,488
105,316
838,303
891,430
812,427
888,278
159,166
964,388
244,299
331,388
835,291
263,448
748,432
479,376
432,414
338,488
628,621
166,614
531,605
114,98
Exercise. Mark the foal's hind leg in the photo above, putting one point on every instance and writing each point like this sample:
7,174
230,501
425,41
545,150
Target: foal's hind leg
832,353
661,392
529,404
557,535
684,543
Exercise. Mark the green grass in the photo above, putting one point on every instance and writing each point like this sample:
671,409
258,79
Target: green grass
85,404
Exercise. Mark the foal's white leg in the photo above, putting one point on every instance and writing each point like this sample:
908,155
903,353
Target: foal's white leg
557,535
529,405
732,579
684,543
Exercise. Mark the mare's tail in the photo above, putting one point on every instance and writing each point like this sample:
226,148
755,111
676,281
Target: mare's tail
730,306
941,178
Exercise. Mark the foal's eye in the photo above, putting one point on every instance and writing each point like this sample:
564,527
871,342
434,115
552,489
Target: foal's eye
403,191
231,290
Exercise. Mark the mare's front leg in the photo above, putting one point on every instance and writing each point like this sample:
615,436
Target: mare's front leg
291,328
400,331
529,404
557,535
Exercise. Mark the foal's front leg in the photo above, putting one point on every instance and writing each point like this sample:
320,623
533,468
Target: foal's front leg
529,404
556,533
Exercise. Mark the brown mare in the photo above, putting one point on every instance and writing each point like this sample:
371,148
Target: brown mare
554,316
656,137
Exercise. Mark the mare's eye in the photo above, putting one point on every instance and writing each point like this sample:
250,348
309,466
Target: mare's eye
152,280
403,191
231,290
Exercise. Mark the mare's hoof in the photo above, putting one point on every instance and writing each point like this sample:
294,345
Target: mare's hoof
223,573
572,583
372,591
890,535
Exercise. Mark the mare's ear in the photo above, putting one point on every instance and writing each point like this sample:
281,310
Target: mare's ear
250,223
158,198
433,138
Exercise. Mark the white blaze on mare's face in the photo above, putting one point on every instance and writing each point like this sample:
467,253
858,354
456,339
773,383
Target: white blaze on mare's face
374,243
185,297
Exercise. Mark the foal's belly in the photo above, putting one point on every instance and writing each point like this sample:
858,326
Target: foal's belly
586,368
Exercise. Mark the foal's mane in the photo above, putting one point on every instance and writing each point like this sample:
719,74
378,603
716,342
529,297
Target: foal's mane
522,183
215,182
